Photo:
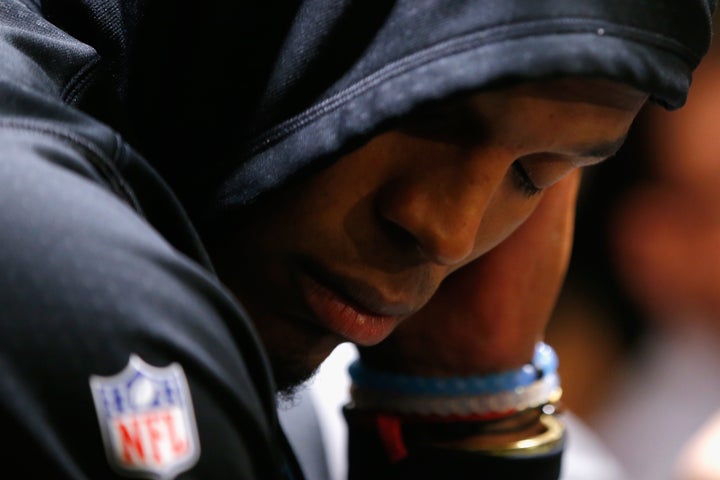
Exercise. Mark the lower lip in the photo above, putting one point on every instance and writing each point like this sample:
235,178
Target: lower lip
338,315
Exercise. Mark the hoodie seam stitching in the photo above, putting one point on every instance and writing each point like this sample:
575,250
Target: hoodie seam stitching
80,81
99,161
456,46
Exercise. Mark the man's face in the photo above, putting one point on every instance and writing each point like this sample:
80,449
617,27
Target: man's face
354,249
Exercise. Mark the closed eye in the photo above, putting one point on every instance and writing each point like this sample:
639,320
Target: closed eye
523,181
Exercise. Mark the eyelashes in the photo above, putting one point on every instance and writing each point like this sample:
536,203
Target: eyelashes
523,180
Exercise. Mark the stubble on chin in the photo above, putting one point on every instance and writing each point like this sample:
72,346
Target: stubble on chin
292,376
295,351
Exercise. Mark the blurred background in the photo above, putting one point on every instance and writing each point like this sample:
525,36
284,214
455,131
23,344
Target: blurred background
637,327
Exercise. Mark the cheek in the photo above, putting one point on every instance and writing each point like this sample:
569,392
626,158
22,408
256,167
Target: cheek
506,212
322,216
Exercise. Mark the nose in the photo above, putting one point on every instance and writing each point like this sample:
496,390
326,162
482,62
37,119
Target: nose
441,208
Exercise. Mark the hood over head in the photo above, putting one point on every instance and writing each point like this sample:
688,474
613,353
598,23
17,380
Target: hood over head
273,88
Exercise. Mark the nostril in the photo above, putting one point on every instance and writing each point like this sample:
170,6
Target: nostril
398,235
433,219
425,232
423,248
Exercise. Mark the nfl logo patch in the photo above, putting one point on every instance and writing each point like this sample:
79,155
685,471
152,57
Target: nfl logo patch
147,420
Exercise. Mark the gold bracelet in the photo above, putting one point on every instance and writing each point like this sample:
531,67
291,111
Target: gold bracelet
540,443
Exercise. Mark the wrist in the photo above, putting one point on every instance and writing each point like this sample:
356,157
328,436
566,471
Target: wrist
508,413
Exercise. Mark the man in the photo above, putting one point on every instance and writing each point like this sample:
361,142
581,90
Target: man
344,168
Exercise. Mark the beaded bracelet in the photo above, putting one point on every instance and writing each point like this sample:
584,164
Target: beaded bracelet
479,406
544,362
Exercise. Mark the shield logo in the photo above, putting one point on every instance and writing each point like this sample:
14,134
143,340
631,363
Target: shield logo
147,420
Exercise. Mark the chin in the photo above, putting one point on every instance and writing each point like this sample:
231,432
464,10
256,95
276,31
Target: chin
292,371
291,379
295,347
295,358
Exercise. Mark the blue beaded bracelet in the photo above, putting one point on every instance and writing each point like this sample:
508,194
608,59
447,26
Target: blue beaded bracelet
544,362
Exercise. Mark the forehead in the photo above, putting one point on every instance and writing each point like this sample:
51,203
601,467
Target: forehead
575,116
595,91
584,117
565,96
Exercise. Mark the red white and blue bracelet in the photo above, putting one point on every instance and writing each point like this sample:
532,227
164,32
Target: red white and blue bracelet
529,386
460,407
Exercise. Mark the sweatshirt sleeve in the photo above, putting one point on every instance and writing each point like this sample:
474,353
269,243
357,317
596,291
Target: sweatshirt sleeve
378,452
120,355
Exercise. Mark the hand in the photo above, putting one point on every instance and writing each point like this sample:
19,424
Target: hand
489,315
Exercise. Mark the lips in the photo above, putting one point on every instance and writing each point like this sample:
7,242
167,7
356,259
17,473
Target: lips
348,316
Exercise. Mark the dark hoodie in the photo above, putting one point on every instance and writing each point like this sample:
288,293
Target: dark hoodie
125,125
